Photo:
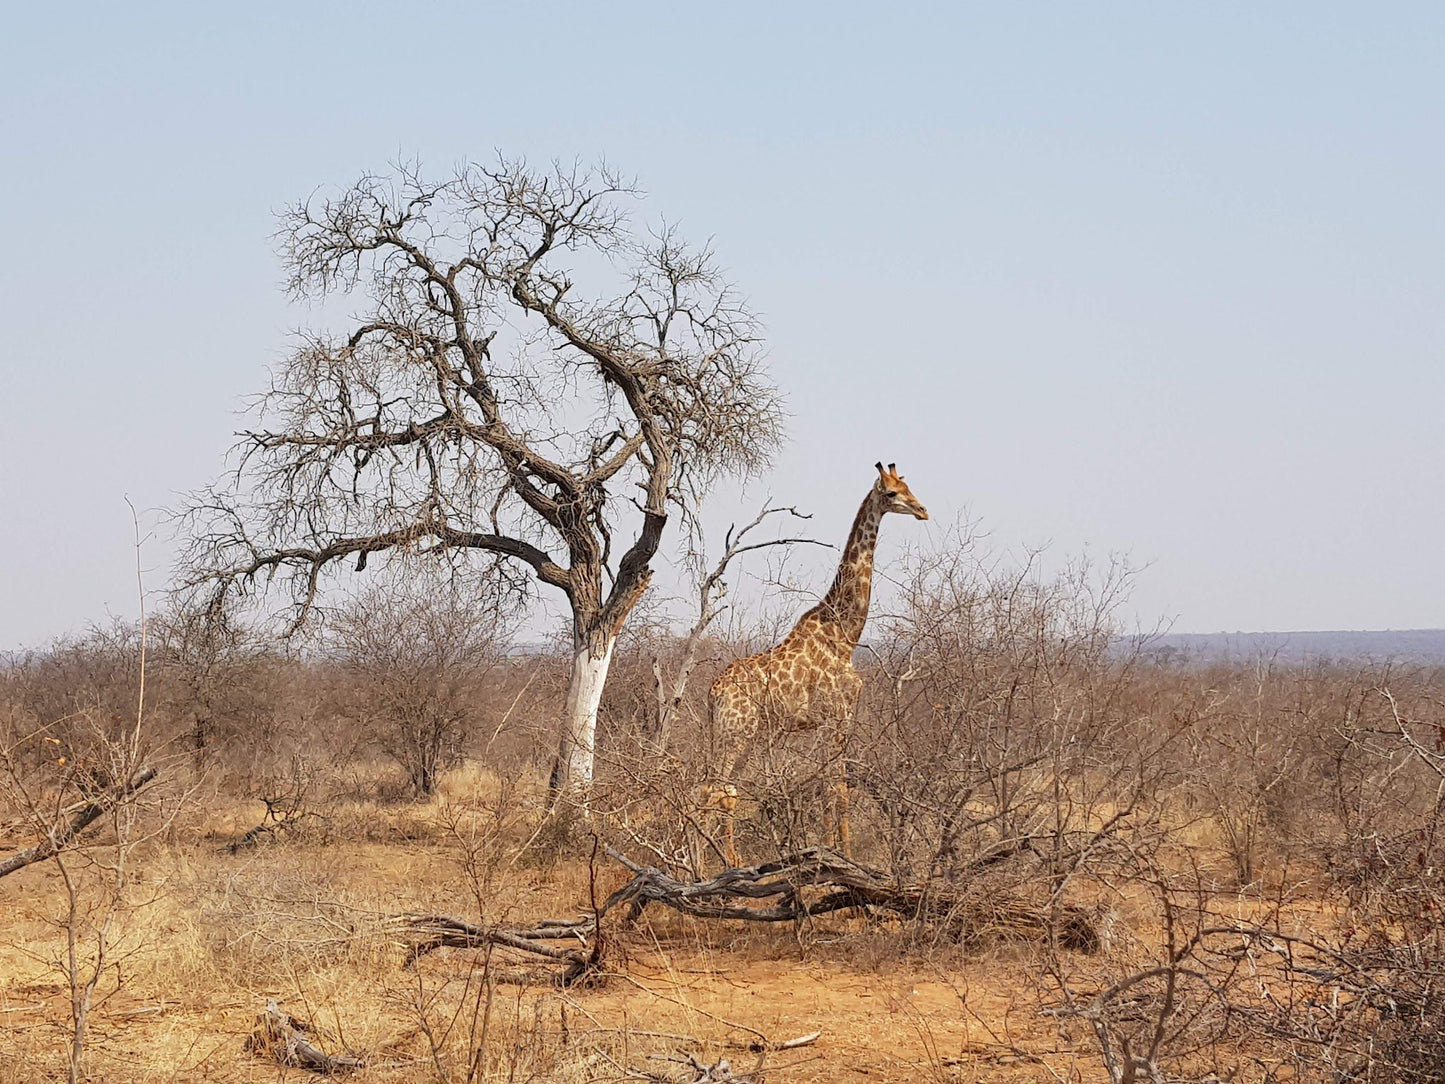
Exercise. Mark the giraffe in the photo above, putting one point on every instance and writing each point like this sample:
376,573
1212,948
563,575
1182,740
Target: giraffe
808,678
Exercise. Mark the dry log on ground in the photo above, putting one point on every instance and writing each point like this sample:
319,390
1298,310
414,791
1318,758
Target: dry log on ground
427,933
842,884
284,1040
81,816
273,828
812,882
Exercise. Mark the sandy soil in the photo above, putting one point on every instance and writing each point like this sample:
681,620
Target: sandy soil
208,937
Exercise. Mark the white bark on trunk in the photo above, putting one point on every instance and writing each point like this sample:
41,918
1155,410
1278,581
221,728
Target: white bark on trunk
584,693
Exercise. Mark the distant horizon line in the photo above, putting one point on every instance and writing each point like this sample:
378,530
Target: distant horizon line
535,645
1440,632
1300,632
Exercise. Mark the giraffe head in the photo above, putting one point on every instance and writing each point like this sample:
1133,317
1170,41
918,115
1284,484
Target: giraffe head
893,491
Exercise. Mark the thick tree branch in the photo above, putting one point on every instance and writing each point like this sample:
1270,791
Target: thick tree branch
82,816
315,558
482,399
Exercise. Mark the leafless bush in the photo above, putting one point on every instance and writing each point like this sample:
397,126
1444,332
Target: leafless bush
82,692
997,731
411,665
291,799
262,926
1209,989
218,681
456,1010
62,787
1387,963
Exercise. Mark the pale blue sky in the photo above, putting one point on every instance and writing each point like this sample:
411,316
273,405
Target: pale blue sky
1160,278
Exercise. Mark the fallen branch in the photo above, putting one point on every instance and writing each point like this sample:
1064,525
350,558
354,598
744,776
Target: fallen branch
284,1040
82,816
844,885
431,932
272,827
769,892
763,1046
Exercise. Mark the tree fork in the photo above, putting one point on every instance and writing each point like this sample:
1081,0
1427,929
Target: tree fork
368,457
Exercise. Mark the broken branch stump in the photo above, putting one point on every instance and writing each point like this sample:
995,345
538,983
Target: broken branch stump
284,1040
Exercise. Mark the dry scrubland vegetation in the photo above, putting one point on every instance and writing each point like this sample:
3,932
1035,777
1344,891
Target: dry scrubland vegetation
1093,865
1071,861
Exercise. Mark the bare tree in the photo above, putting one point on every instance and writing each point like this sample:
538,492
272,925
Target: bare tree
487,409
712,589
211,673
412,663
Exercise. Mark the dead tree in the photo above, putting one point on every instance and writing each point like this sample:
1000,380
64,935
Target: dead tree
530,390
712,588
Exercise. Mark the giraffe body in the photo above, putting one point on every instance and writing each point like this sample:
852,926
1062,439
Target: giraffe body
808,680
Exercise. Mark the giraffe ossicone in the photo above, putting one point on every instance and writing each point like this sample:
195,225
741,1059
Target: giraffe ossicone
807,680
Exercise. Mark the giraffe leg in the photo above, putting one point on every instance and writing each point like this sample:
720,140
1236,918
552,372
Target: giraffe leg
728,799
836,828
739,723
840,806
852,688
718,803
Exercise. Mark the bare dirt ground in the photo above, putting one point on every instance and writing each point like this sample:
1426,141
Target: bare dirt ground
209,936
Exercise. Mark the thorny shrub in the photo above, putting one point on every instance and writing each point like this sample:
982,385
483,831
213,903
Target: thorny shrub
1012,744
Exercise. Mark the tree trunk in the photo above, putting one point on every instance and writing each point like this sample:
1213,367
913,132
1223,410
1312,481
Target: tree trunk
201,738
669,700
575,759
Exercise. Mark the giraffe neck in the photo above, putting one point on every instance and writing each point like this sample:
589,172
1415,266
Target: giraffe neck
845,606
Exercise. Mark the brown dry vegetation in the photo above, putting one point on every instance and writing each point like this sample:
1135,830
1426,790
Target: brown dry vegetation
1256,846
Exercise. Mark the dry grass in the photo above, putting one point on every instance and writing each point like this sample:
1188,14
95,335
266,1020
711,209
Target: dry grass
213,935
1298,804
